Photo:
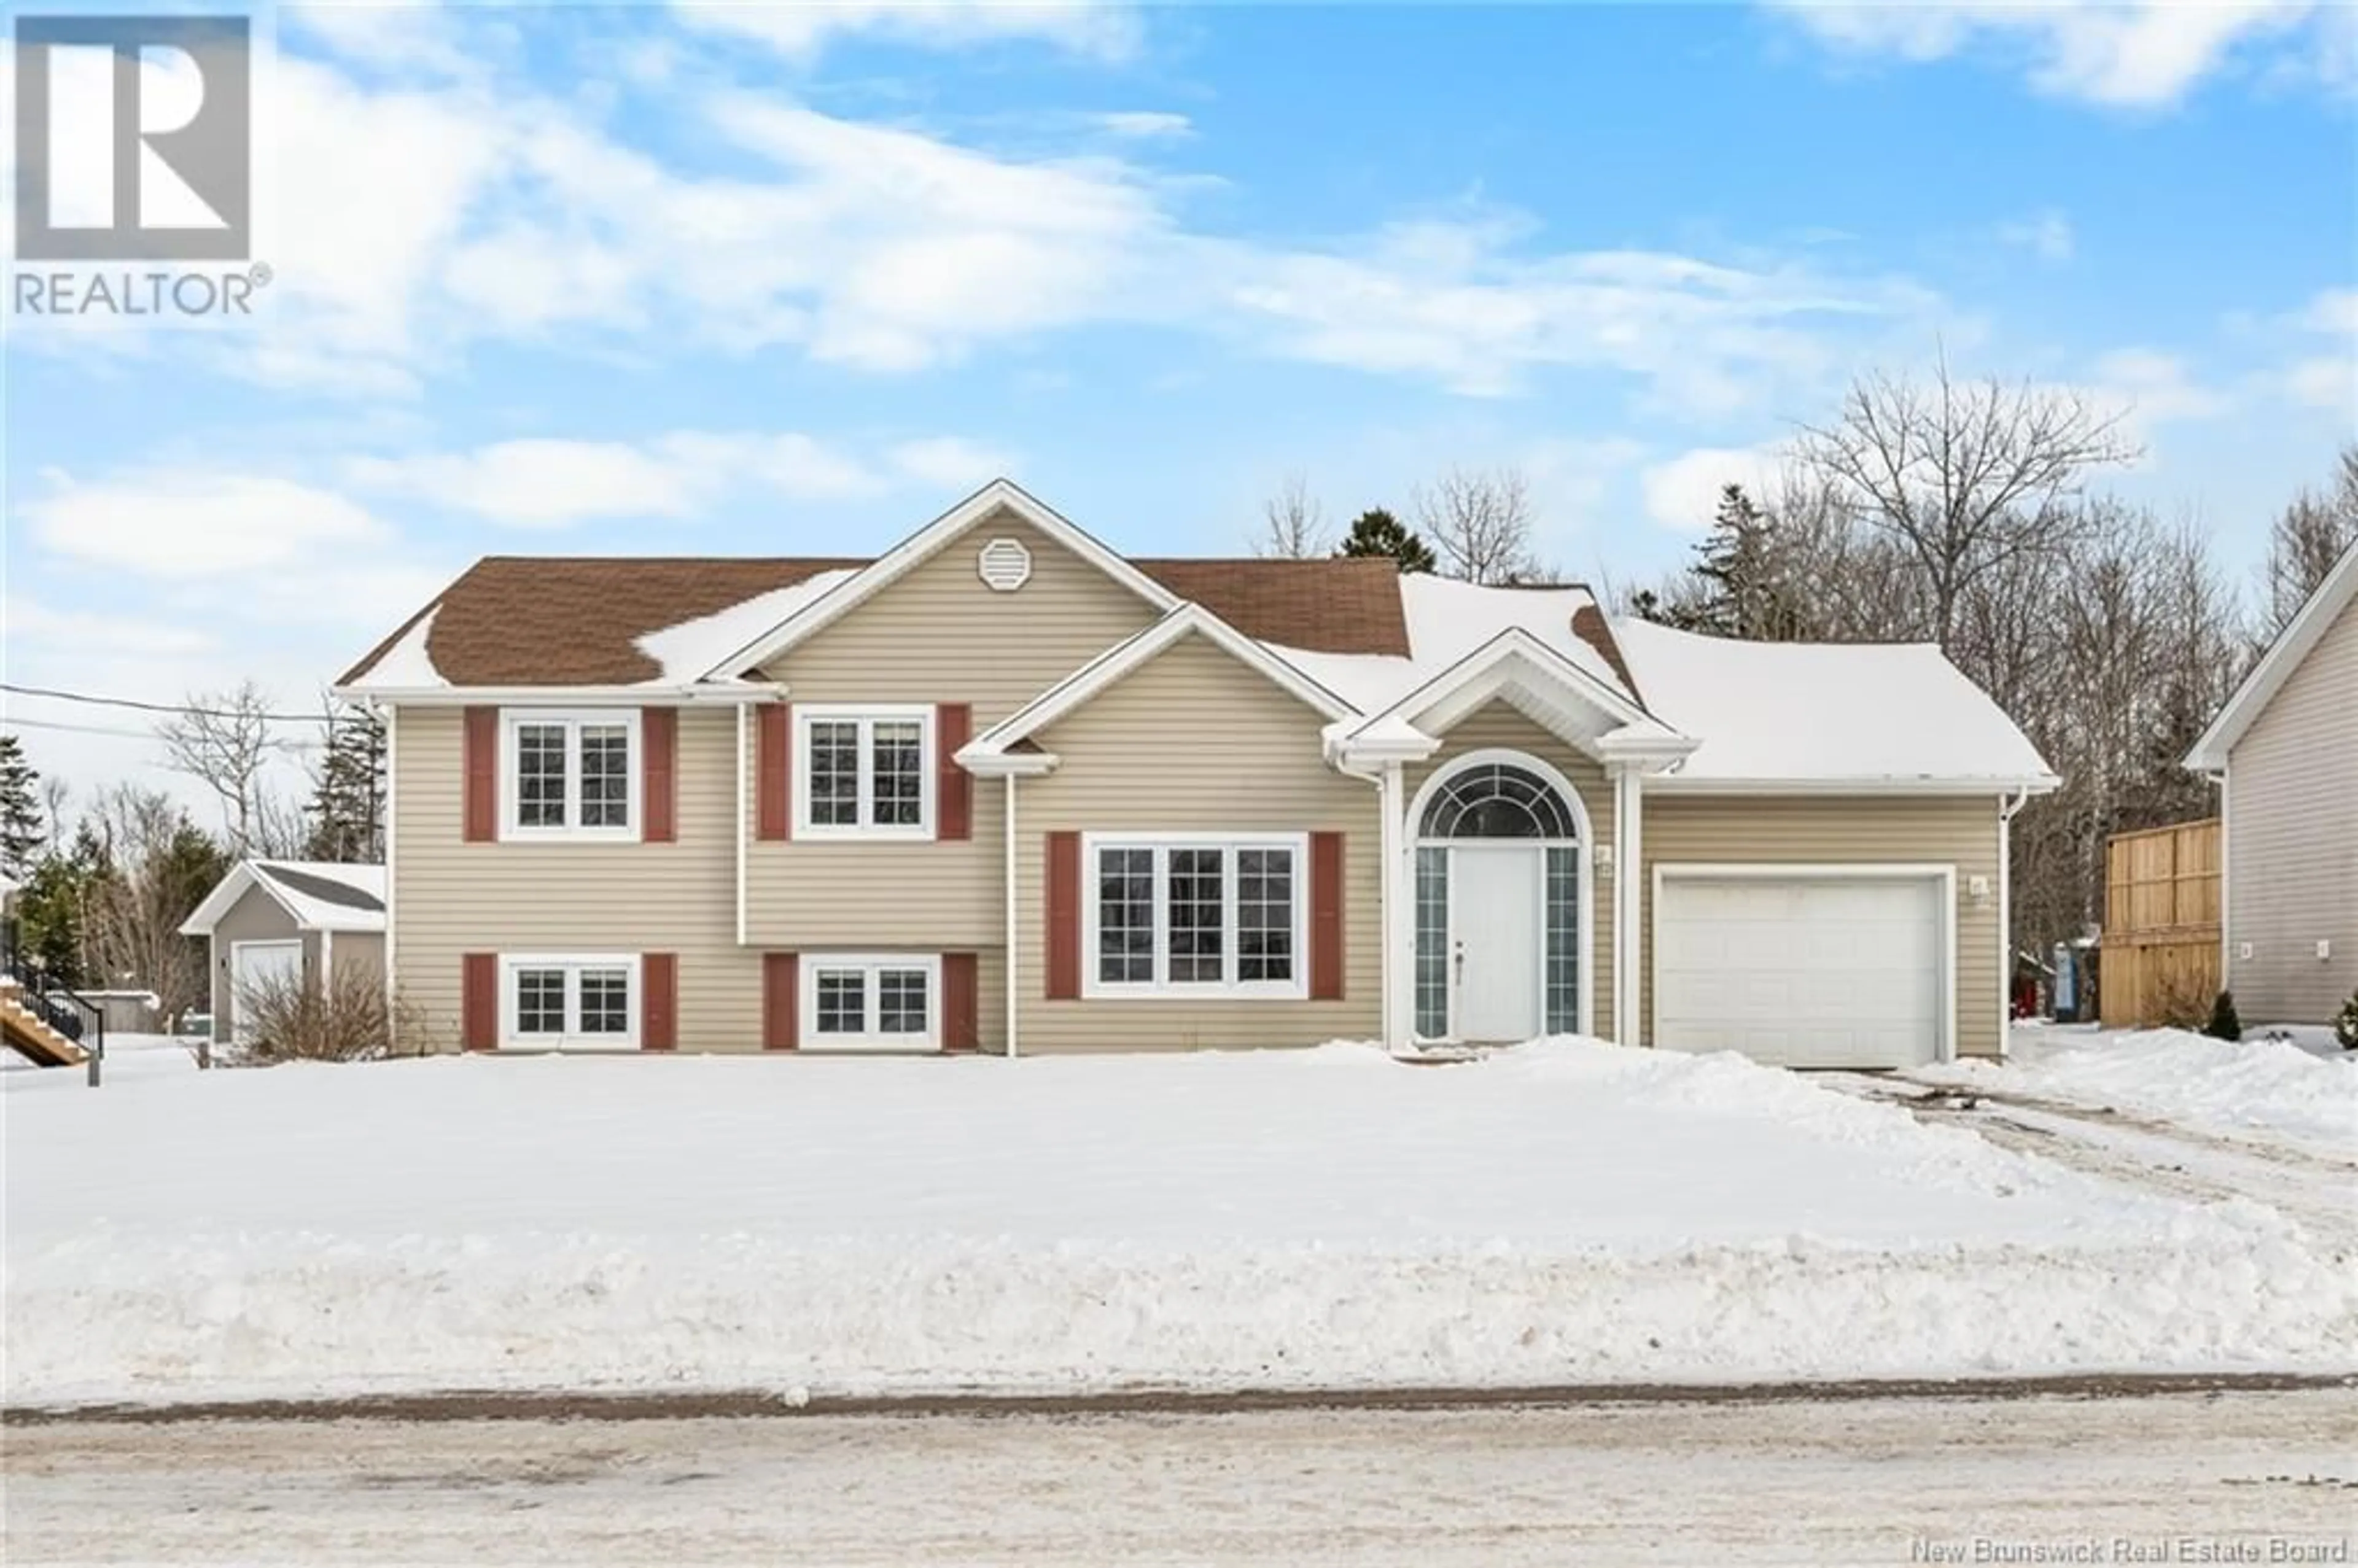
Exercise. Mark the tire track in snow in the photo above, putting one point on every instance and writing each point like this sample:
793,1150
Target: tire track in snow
2319,1192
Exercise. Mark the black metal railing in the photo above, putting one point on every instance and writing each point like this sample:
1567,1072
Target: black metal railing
62,1008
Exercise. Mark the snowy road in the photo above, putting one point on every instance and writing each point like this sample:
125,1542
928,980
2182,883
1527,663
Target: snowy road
1873,1482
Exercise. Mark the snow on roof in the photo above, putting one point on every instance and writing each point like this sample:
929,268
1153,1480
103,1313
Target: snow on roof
1810,711
688,651
407,665
328,895
322,895
1446,621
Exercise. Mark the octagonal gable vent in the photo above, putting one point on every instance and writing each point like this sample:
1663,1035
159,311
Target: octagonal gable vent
1004,563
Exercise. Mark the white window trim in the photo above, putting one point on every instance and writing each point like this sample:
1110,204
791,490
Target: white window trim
1160,988
510,791
806,982
866,713
511,1039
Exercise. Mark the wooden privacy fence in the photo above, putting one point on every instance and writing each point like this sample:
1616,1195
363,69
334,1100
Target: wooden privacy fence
2161,925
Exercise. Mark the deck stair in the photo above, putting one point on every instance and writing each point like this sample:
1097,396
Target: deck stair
38,1029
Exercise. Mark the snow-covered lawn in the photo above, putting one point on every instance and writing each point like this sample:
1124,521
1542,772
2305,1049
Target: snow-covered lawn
1565,1212
2255,1088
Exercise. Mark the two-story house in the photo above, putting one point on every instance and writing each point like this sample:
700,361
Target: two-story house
1005,789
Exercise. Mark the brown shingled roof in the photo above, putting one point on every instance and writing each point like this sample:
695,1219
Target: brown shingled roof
530,620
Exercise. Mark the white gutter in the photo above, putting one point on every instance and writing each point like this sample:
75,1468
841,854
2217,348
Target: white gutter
659,693
1007,962
1689,784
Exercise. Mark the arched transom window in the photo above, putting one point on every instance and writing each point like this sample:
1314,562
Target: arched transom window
1496,800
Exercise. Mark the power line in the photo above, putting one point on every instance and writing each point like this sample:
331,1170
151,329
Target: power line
14,722
176,708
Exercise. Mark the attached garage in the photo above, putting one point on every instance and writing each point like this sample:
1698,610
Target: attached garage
1806,967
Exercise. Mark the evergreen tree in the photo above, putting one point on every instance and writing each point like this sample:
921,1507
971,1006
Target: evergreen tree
54,908
1377,532
2224,1024
21,832
1742,592
348,807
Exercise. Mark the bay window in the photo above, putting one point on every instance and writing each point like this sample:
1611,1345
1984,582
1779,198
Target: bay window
1220,916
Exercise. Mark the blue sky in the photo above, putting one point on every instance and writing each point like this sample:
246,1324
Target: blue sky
776,280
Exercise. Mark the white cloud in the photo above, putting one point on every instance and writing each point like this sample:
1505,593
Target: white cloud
951,462
2335,310
801,32
420,220
2046,234
1682,493
2327,380
2151,388
1147,125
195,523
2145,53
542,483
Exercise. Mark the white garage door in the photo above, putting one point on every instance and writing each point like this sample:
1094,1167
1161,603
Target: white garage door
1805,971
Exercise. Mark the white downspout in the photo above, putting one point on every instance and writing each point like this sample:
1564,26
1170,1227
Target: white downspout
2005,810
1008,964
742,804
2226,855
391,860
1633,850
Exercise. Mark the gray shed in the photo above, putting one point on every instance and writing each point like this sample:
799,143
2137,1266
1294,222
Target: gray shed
274,918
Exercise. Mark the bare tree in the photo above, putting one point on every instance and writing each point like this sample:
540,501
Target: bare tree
2309,536
1293,523
56,793
1965,477
222,740
1479,522
159,866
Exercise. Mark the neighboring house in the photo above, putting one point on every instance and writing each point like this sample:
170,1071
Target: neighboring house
273,920
2285,753
1005,789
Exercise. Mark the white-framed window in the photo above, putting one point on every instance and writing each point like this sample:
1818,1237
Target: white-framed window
863,770
872,1001
570,1000
569,773
1195,915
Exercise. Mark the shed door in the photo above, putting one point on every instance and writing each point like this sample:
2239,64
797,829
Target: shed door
1803,971
259,963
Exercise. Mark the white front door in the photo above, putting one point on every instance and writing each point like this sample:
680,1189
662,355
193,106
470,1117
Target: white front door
1494,940
255,964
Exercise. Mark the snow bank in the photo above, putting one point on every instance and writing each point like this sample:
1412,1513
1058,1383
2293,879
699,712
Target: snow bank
2268,1087
1566,1212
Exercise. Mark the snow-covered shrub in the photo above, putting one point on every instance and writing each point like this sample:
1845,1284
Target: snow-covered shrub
2345,1023
2224,1024
349,1018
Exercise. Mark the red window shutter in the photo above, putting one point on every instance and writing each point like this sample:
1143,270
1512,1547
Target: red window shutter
480,764
659,768
774,774
1326,917
781,998
961,1003
953,807
659,1001
479,1001
1063,916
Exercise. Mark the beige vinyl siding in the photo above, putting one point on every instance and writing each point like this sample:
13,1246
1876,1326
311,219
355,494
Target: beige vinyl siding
254,917
937,635
360,952
1501,727
1194,742
1948,830
453,898
2292,840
